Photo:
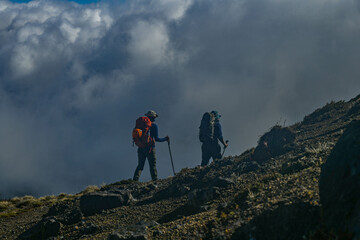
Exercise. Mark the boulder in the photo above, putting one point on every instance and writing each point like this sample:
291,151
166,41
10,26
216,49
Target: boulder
90,229
199,197
340,183
65,212
222,182
133,232
173,190
277,141
46,228
96,202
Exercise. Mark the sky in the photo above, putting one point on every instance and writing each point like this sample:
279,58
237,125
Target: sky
75,77
77,1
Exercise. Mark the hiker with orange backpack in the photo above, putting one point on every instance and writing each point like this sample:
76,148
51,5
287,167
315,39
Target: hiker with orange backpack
145,134
210,135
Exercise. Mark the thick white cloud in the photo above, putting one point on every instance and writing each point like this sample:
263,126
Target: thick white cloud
149,43
73,78
174,10
70,32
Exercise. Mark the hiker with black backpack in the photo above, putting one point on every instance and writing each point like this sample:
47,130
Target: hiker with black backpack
210,135
145,134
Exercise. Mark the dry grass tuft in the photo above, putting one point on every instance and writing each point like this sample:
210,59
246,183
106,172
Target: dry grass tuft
62,195
320,147
15,200
26,202
10,213
65,197
90,189
5,205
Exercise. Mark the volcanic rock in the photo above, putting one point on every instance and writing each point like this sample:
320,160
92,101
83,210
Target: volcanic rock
274,143
198,197
47,227
340,183
98,201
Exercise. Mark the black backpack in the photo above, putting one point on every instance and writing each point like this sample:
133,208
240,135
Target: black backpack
206,133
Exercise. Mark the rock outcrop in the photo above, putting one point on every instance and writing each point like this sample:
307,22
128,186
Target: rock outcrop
284,222
340,183
98,201
46,228
274,143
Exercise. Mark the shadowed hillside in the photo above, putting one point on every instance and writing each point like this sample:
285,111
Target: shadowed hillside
268,192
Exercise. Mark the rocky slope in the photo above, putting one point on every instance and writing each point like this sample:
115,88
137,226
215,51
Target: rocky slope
268,192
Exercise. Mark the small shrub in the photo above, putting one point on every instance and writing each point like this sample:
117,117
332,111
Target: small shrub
15,200
28,202
27,197
62,195
48,199
4,205
90,189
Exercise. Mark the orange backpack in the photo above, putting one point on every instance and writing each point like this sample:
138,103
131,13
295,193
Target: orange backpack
140,133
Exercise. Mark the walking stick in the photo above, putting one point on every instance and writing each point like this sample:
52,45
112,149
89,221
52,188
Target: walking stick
224,149
172,163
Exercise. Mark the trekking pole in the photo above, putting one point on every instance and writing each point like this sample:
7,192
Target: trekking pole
172,163
224,149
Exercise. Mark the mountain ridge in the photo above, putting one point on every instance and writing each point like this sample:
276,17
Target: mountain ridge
268,192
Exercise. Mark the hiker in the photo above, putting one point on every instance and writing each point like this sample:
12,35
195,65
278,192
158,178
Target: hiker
210,135
145,140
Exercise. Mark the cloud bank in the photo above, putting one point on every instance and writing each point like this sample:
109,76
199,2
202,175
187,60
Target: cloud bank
73,79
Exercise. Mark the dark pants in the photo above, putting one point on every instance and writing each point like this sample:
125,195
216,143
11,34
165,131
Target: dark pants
210,150
144,153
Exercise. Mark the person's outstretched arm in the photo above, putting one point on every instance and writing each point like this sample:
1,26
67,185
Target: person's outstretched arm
220,136
154,133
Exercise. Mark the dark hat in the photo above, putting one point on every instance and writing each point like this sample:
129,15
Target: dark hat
216,114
